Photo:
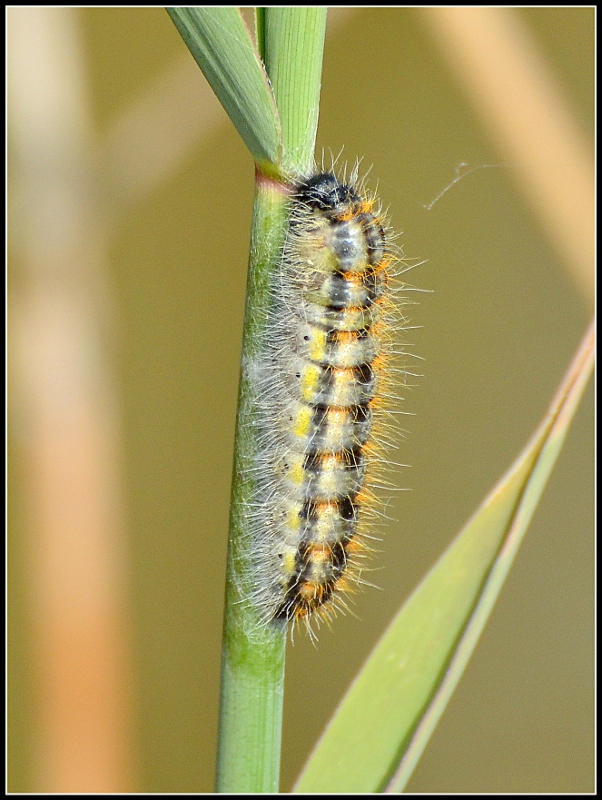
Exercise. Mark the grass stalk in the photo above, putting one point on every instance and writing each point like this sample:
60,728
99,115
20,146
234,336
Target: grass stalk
291,41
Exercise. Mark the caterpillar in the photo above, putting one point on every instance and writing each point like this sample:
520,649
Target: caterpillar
323,386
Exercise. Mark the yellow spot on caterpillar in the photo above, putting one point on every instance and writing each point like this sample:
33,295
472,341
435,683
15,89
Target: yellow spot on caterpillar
317,344
302,421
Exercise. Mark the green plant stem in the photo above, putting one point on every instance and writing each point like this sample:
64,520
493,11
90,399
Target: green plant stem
293,45
253,653
292,41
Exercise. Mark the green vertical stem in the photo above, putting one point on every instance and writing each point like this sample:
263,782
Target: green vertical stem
293,42
253,653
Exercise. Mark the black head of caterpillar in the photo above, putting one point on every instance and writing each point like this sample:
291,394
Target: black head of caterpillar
324,192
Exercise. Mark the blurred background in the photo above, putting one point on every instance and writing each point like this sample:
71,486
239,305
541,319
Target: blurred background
130,198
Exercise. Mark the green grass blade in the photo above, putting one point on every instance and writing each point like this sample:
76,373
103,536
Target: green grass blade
293,43
384,722
223,48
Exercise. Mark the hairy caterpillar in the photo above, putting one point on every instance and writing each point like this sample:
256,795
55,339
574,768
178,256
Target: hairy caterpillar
323,385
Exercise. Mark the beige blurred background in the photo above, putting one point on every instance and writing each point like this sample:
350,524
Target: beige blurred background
130,198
